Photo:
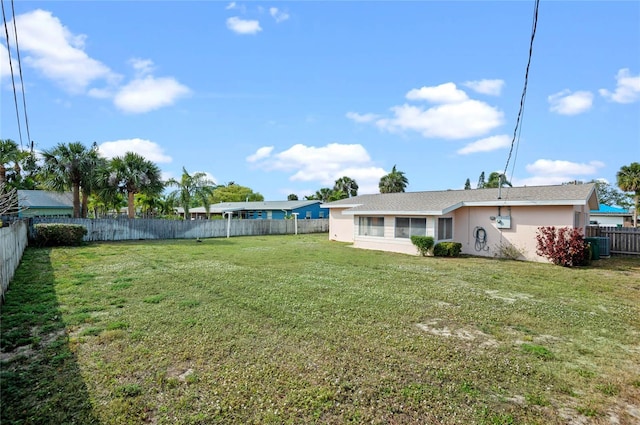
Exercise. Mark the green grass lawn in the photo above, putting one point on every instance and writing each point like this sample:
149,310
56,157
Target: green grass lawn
298,329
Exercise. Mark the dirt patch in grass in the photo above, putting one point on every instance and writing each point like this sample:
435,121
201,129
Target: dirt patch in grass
439,328
43,341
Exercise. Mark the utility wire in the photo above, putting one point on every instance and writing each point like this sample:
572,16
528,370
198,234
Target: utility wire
24,99
13,81
518,128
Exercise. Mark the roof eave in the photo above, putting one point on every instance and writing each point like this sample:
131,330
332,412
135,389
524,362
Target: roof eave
387,212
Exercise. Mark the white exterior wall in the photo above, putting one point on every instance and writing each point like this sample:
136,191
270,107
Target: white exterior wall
608,220
522,234
389,242
341,227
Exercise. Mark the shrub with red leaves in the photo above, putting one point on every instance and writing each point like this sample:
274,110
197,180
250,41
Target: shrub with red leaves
564,246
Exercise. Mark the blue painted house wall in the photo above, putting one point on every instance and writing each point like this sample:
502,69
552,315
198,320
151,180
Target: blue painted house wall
309,211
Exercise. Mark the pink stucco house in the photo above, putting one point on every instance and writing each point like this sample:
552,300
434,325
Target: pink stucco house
484,221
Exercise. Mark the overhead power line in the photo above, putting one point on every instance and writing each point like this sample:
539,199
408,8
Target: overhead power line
515,141
24,98
13,78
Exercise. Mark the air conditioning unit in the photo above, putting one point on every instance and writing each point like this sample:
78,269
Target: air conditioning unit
605,246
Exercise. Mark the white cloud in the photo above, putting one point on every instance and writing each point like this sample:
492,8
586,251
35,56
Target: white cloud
486,145
361,118
455,117
261,153
489,87
58,54
627,88
149,93
150,150
444,93
567,103
278,14
242,26
324,164
462,120
231,5
547,171
142,66
5,69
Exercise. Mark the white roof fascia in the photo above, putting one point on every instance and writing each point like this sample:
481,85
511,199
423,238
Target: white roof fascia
339,206
398,213
508,203
453,207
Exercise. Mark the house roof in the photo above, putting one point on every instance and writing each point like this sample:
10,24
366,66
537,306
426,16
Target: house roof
609,210
44,199
253,206
445,201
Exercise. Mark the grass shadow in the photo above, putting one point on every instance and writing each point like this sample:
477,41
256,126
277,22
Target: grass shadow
618,263
40,380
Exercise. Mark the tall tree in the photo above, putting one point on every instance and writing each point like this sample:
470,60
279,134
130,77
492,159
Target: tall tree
628,179
467,185
496,180
292,197
193,188
481,182
94,177
324,194
347,185
133,174
610,195
233,192
393,182
67,166
10,156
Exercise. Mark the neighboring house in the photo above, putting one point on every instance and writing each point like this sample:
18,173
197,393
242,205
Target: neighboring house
608,216
44,203
482,220
261,210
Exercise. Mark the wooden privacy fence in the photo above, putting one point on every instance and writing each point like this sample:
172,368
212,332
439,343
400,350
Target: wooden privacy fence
131,229
622,240
13,241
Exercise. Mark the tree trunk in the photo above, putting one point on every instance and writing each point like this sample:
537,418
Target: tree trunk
636,200
85,206
76,200
131,205
3,174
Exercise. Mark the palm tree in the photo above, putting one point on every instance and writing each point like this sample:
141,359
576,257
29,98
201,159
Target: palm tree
323,195
347,185
10,155
94,178
68,166
393,182
628,179
196,187
132,174
497,180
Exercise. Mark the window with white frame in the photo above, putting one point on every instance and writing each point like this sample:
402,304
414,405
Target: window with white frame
371,226
445,228
410,226
576,219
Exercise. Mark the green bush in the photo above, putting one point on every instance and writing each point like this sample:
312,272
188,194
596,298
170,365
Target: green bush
423,243
55,234
447,249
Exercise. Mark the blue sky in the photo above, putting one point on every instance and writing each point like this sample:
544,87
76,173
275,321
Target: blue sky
286,97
